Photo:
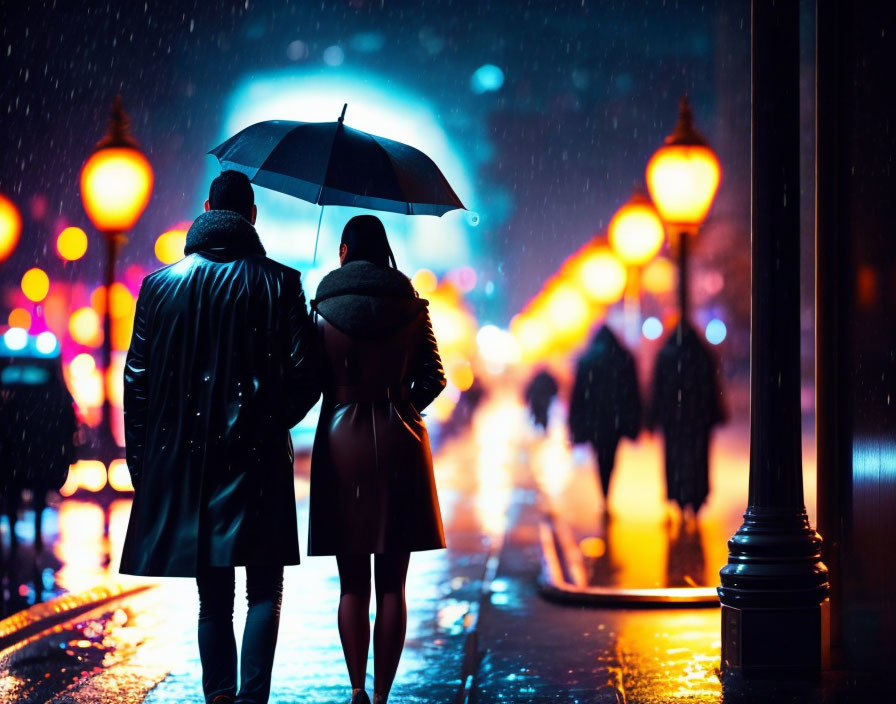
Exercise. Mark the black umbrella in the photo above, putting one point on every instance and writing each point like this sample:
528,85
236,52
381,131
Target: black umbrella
329,163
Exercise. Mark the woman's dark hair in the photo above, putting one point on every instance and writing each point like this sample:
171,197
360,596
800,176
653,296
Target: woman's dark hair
365,239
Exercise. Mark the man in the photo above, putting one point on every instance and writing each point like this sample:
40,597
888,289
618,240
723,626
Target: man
221,365
606,402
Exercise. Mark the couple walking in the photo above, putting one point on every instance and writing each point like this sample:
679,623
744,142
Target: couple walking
224,360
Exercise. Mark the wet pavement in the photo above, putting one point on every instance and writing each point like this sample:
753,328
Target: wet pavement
478,630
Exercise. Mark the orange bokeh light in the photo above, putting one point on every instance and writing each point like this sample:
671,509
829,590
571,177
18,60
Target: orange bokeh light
123,303
460,374
425,282
19,318
116,183
122,330
84,326
35,285
169,246
659,276
71,244
600,275
10,227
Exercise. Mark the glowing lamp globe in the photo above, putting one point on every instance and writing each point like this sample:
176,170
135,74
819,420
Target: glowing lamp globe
601,275
10,227
683,175
636,232
116,180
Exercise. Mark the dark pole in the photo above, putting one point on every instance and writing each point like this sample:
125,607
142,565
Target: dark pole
108,445
683,275
774,583
833,293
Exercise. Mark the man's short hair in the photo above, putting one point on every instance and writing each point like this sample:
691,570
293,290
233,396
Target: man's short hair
232,191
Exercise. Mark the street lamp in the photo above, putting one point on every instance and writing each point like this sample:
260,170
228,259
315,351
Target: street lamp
636,234
683,176
116,183
10,227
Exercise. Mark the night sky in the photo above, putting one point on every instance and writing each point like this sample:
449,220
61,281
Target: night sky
590,90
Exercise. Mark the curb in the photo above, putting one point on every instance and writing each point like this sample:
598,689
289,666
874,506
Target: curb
563,580
42,617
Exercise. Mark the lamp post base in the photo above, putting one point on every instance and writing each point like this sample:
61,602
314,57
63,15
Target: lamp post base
773,643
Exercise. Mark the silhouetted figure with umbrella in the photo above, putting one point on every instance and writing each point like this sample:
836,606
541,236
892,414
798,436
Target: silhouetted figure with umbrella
539,393
606,401
686,402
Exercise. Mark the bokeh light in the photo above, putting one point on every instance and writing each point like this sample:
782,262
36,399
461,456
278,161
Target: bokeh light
659,276
71,244
19,318
424,281
460,373
115,380
593,547
567,310
84,326
15,339
10,227
35,285
601,275
532,335
123,303
46,343
119,476
716,331
486,78
89,474
652,328
82,365
169,246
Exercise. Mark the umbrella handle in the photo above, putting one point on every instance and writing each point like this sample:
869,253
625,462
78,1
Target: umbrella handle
317,237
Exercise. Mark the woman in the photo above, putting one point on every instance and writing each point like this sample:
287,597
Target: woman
372,486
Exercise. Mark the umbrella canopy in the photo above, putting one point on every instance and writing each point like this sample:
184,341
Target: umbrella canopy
329,163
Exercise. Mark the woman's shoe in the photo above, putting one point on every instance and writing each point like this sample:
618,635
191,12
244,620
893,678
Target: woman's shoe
379,698
359,696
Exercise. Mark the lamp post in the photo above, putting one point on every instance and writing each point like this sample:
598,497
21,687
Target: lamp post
774,587
636,234
116,183
683,176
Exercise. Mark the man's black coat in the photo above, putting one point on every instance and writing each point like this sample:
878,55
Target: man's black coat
221,365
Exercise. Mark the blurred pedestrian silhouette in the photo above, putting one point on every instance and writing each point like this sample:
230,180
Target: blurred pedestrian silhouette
539,394
606,401
37,431
686,403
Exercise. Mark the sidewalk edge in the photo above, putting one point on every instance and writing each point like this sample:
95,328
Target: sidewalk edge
41,617
554,585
